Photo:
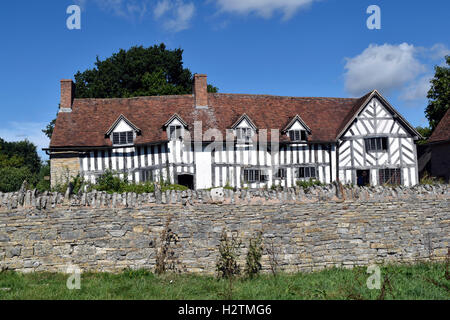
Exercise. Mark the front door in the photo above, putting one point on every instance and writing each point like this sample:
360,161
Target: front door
186,180
363,177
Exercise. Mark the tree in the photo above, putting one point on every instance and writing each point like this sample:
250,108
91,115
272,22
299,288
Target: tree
19,161
425,132
49,129
135,72
439,94
12,178
19,154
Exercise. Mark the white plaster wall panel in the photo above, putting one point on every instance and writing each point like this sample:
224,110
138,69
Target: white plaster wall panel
413,176
122,126
405,177
395,151
92,159
203,166
120,153
374,177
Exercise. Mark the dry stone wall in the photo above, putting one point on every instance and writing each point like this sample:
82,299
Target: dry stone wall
333,192
302,231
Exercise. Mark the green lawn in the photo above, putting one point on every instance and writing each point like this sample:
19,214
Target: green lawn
421,281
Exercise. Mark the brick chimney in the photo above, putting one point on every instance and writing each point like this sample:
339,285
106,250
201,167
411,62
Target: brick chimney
67,95
200,91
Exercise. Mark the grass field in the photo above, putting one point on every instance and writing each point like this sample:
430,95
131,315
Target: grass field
421,281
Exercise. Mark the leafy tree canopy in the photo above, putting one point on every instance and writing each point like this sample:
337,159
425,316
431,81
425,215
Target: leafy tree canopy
135,72
439,95
425,132
19,154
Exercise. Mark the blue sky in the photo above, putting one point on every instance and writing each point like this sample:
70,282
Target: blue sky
281,47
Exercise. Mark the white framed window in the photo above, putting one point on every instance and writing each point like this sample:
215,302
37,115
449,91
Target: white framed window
281,173
297,135
390,176
306,172
175,132
255,175
123,138
147,176
378,144
244,134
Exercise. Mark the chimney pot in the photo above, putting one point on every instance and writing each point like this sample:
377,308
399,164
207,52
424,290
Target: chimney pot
201,90
67,95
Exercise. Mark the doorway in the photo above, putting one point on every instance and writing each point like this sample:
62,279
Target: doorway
186,180
363,177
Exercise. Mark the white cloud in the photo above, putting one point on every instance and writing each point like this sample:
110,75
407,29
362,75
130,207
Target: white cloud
417,90
128,9
176,14
439,51
161,8
384,67
264,8
32,131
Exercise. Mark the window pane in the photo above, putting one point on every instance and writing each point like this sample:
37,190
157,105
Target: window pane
130,136
313,172
377,144
373,144
123,137
303,135
301,172
384,142
116,138
292,135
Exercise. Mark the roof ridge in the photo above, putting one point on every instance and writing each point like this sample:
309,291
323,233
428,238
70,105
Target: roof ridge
137,98
214,94
277,96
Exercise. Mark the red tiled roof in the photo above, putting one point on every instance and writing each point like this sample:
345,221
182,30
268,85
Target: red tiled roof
442,131
90,119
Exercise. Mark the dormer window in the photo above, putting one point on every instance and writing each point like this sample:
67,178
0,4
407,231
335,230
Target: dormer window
175,127
122,132
123,138
297,130
175,132
297,135
244,129
244,134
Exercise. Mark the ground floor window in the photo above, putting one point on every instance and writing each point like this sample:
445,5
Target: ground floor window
254,175
147,176
306,172
390,176
280,173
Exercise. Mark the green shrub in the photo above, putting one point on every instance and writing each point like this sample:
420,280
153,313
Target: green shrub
111,182
308,183
147,187
227,266
427,179
42,184
11,179
254,254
